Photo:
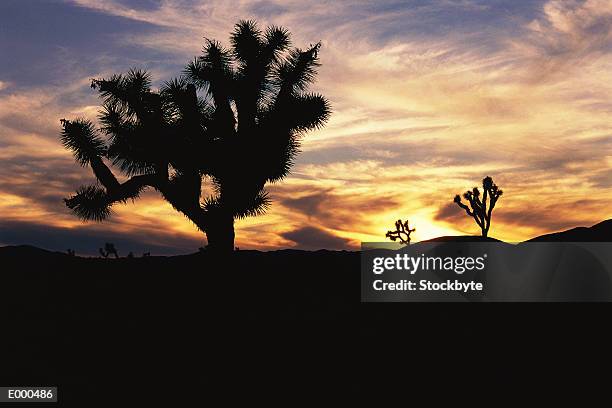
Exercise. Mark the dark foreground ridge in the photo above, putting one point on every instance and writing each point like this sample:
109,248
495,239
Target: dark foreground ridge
210,322
187,323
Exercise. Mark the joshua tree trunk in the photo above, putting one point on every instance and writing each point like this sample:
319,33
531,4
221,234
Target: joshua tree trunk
217,224
220,233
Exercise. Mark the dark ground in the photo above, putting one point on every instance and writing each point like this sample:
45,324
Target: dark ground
178,329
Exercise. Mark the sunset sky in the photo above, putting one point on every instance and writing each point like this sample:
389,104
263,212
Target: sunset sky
428,98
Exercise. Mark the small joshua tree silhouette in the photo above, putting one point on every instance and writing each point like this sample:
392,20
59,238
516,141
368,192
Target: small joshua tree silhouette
481,210
108,250
71,252
402,232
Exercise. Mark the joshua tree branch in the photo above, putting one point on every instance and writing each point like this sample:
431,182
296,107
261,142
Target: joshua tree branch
122,191
466,208
476,212
485,214
104,175
94,203
133,186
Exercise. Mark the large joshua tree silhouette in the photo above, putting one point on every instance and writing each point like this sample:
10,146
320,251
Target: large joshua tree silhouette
240,131
481,209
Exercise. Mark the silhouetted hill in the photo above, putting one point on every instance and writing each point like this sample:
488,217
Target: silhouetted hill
601,232
25,251
201,321
462,238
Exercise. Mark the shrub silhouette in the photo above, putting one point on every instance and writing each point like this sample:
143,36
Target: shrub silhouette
108,250
402,232
240,132
70,252
481,210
